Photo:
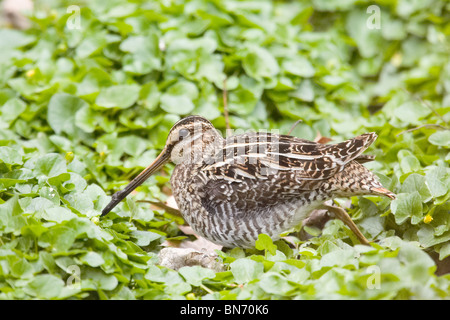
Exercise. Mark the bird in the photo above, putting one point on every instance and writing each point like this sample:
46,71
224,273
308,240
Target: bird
230,190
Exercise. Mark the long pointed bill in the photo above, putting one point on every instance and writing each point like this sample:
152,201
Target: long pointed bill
144,175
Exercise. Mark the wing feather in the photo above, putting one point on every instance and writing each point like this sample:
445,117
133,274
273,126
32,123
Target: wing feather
260,169
257,155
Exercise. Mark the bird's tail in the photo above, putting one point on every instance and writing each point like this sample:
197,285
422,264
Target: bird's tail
356,179
352,149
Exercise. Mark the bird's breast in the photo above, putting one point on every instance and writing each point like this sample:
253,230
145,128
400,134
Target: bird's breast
223,223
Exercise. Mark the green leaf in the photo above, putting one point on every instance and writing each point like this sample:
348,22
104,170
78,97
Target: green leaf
415,182
86,119
11,38
119,96
10,156
150,95
305,92
178,99
264,242
195,275
259,63
144,56
438,181
339,257
245,270
299,66
393,29
60,237
48,261
411,112
144,237
96,279
419,263
22,269
275,283
407,205
34,230
244,99
45,286
58,214
406,8
444,251
12,109
11,219
440,138
369,41
162,275
91,44
50,165
92,259
61,112
409,163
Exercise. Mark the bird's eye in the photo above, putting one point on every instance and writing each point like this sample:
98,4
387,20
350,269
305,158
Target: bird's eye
183,133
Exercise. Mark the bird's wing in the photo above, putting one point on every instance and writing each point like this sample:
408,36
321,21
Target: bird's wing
262,155
259,169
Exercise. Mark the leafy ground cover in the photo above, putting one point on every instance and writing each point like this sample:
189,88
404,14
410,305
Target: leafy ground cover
87,98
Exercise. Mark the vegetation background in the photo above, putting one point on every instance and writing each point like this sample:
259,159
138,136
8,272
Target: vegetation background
89,90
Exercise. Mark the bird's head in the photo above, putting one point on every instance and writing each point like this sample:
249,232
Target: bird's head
190,139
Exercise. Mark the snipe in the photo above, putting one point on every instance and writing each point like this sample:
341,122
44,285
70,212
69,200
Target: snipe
231,190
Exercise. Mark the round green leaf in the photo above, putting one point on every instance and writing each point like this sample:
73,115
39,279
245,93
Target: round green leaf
260,63
119,96
61,112
10,156
195,275
92,259
45,286
245,270
440,138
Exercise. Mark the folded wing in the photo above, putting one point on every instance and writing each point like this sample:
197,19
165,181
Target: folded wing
260,169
